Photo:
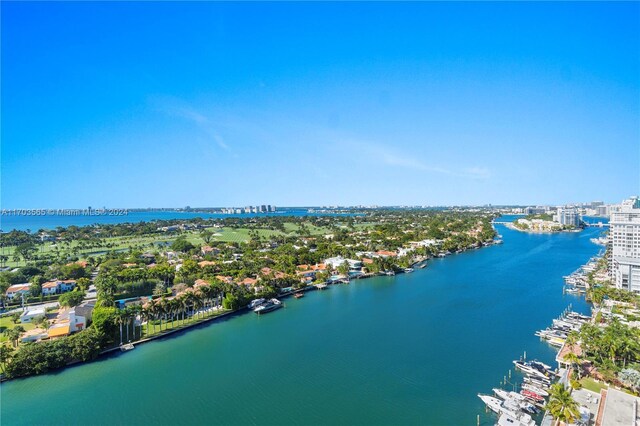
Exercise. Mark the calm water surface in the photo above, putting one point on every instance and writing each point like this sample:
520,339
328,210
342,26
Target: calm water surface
410,349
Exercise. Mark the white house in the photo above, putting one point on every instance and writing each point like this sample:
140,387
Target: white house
335,262
30,313
69,321
18,290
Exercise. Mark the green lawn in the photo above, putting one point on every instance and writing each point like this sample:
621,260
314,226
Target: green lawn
6,323
148,329
592,385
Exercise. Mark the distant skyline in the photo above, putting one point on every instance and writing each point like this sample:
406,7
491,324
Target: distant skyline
163,104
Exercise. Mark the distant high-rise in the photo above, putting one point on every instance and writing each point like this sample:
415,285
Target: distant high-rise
624,234
567,216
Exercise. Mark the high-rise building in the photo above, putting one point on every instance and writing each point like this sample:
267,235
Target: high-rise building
602,210
567,216
624,234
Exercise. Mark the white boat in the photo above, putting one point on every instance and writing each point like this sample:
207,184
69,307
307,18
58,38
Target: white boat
408,270
503,394
528,369
535,389
493,403
126,347
543,384
507,419
270,305
255,303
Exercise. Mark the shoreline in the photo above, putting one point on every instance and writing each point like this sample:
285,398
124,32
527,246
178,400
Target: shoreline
240,311
511,226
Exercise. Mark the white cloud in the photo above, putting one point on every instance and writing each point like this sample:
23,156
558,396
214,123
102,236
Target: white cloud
180,109
388,156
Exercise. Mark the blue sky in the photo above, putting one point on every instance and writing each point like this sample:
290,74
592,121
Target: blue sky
222,104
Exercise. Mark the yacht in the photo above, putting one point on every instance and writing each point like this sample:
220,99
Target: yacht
542,384
532,395
493,403
408,270
540,365
268,306
535,389
507,419
503,394
521,419
528,368
255,303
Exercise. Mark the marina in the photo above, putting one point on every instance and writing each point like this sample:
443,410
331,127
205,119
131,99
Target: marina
537,376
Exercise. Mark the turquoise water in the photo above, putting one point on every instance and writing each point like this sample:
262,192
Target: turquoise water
410,349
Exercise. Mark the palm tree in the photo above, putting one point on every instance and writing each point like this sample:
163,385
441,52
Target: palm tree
120,319
128,315
181,305
147,312
561,405
159,308
574,360
198,301
13,335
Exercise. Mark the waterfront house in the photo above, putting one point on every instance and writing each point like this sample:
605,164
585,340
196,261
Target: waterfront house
70,320
34,335
85,310
335,262
17,290
58,330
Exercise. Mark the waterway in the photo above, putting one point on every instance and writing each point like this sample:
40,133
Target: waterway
410,349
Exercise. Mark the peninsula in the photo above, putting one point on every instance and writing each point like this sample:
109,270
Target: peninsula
78,292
